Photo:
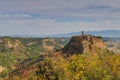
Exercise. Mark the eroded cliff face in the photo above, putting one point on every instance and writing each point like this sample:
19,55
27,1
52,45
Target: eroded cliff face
83,44
1,69
48,44
7,44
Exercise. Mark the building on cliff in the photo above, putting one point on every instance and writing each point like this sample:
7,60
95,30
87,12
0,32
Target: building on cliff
83,44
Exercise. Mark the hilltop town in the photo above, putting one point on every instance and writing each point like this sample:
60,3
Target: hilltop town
84,44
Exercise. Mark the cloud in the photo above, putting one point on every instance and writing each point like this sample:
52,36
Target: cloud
63,8
58,16
14,16
50,26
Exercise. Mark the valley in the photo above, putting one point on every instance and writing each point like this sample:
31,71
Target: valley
24,55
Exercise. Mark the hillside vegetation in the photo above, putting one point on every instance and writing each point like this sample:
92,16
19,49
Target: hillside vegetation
76,67
83,57
14,51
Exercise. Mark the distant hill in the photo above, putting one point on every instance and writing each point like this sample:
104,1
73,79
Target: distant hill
104,33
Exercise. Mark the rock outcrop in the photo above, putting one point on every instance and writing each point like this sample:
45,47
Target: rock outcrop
48,44
11,45
1,69
83,44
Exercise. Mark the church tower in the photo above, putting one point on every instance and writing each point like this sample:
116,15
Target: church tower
82,33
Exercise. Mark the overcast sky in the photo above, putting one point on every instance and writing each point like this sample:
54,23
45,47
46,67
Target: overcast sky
38,17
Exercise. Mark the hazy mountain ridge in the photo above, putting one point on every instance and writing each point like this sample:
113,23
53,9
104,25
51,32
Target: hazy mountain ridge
104,33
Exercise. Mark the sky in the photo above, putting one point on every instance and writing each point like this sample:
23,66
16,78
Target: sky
42,17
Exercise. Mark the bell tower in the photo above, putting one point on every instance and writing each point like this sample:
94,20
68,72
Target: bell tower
82,33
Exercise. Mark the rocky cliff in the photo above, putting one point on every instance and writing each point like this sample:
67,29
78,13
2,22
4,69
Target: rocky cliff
84,44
